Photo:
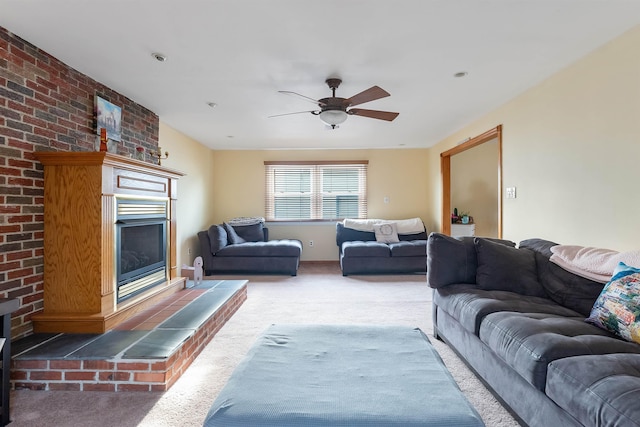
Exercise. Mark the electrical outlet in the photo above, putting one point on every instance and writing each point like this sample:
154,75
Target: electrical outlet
310,243
511,192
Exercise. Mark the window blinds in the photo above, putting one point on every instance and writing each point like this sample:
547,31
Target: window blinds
297,191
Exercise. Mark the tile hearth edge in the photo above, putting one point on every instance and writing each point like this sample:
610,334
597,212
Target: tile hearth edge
128,360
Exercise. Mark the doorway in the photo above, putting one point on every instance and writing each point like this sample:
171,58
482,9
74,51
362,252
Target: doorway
492,136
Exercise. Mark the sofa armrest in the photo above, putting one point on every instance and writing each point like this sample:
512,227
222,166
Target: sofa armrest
205,250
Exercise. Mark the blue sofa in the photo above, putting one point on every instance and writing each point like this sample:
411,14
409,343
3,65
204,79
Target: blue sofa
247,249
518,320
360,253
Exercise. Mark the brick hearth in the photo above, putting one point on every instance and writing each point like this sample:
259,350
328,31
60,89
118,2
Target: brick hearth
149,352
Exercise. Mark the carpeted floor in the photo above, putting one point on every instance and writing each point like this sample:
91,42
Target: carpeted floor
319,294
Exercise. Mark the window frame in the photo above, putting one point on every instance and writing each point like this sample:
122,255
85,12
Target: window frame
316,193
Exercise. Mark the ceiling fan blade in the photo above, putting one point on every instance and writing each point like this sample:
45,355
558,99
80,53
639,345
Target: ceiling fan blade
374,114
371,94
315,101
297,112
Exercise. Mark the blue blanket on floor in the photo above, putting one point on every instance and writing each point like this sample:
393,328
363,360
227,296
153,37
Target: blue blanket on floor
332,375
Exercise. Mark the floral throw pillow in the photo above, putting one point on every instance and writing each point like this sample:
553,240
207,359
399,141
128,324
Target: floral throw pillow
617,309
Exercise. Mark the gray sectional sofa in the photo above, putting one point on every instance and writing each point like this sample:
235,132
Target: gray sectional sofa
518,320
360,253
247,249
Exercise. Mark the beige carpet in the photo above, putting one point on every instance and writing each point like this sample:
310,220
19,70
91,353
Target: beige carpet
319,294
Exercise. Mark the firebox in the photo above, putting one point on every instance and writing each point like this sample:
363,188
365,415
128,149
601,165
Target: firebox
141,245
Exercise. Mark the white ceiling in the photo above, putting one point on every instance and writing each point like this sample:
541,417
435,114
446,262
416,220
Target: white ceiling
239,53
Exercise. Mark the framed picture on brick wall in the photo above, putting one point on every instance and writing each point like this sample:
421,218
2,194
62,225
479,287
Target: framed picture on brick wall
109,117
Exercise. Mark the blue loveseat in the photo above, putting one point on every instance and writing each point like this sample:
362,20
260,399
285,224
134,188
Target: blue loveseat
361,253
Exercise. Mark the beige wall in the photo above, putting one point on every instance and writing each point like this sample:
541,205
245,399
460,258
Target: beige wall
195,204
474,186
571,146
400,175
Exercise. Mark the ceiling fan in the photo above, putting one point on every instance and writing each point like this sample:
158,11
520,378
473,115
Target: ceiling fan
334,110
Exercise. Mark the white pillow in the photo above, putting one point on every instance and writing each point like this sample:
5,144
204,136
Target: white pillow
386,232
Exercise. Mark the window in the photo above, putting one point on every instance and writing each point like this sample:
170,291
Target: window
298,191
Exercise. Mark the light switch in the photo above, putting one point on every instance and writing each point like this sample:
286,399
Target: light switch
511,192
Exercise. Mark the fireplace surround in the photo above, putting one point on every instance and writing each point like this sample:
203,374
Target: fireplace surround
94,202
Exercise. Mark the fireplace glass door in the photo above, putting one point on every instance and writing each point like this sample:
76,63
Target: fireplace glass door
141,257
141,245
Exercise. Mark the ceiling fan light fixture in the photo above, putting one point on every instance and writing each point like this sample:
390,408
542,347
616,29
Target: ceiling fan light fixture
333,109
333,117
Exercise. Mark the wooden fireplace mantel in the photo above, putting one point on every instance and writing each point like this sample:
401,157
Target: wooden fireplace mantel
80,193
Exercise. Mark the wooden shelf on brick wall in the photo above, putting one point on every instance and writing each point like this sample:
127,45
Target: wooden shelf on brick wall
79,238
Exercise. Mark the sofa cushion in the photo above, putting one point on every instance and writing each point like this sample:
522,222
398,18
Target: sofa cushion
233,237
597,390
386,233
565,288
411,248
272,248
250,233
469,305
503,268
617,309
344,234
217,238
365,249
450,260
415,236
538,245
528,342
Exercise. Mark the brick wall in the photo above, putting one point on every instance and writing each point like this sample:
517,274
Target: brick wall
45,105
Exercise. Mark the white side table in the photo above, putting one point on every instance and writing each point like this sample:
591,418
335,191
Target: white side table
463,230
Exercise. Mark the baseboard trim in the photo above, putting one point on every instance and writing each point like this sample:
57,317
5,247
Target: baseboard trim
321,263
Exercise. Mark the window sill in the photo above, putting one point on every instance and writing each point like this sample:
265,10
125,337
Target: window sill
303,222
